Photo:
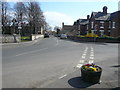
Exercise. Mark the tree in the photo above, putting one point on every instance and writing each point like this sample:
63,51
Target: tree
35,16
5,15
20,11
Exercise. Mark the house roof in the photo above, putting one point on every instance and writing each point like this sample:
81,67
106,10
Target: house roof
67,28
101,16
113,15
82,21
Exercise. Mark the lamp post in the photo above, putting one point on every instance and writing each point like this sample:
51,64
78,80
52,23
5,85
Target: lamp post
14,21
14,35
79,28
95,29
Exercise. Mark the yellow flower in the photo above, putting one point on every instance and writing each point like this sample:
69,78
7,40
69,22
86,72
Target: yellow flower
94,69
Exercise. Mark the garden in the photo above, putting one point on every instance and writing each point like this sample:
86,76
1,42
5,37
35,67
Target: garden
90,37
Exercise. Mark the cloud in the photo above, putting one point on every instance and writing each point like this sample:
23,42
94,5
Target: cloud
56,18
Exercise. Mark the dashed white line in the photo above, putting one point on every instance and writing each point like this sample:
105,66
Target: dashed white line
92,52
84,54
82,61
57,42
91,57
91,61
83,57
63,76
79,65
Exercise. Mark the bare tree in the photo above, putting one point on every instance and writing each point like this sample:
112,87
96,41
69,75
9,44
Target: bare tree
20,11
4,13
35,16
5,16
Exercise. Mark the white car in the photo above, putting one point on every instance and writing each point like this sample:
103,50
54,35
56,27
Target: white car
63,36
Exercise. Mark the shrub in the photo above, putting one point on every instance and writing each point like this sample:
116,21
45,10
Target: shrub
91,35
80,36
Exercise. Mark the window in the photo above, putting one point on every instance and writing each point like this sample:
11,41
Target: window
87,32
87,27
102,24
109,24
78,27
101,33
113,25
92,24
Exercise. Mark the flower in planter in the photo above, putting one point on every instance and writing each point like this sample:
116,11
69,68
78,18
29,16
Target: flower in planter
90,67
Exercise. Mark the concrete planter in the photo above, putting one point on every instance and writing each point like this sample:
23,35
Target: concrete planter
91,76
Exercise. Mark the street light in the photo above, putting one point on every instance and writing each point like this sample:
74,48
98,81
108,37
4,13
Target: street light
79,28
14,21
19,28
14,35
95,29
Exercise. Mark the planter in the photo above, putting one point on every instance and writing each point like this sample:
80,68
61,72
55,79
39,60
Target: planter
91,76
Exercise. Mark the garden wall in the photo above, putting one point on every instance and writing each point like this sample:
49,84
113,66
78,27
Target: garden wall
10,38
36,36
92,39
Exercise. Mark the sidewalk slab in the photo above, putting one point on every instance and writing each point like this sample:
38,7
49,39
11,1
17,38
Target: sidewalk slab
4,45
74,80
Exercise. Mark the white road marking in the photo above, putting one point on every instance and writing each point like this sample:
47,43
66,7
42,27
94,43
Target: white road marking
91,61
91,57
92,52
63,76
83,57
31,52
82,61
79,65
56,42
84,54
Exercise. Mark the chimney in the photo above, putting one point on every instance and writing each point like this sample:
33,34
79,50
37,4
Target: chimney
105,9
88,17
63,24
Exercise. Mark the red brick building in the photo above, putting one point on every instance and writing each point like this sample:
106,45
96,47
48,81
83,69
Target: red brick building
115,24
100,23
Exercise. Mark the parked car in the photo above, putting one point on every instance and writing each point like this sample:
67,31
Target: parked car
63,36
46,35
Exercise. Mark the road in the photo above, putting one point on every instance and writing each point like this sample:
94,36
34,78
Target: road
51,62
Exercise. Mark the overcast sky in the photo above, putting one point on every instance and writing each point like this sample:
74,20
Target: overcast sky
57,11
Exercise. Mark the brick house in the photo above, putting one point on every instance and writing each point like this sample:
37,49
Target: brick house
81,26
115,24
100,22
67,29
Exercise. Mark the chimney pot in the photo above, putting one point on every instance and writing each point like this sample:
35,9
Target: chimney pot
88,17
105,9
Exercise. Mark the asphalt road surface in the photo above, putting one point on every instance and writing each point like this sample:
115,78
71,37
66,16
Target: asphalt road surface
53,62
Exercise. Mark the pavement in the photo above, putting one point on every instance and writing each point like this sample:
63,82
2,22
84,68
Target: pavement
27,43
74,80
55,63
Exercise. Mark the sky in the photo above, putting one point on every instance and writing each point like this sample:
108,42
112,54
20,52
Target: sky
69,11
